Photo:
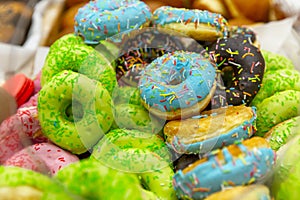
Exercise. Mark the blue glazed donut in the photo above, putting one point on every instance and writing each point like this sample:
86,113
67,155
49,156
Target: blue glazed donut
240,164
177,85
98,20
198,24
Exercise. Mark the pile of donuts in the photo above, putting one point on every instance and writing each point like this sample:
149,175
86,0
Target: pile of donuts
169,104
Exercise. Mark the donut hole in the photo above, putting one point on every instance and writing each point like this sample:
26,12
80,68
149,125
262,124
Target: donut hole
227,76
74,111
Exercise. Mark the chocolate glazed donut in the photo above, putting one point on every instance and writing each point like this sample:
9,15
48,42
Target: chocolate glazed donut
242,68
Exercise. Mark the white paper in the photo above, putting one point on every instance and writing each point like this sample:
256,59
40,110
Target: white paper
280,37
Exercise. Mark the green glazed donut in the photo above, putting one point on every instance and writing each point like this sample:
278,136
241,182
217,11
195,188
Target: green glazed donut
79,58
275,61
276,81
11,176
92,180
289,188
283,132
127,94
277,108
65,40
129,113
74,111
286,182
130,116
138,152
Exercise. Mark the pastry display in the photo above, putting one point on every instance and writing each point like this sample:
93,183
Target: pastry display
154,100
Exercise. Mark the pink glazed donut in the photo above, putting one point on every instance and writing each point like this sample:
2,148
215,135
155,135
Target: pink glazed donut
45,158
18,131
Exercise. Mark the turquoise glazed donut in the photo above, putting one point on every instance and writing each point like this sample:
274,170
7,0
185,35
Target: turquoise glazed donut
74,111
200,25
98,20
238,164
70,53
177,85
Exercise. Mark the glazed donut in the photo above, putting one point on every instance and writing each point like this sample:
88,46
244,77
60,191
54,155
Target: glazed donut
93,174
243,32
249,192
129,112
98,20
211,130
198,24
275,109
242,66
70,53
285,178
139,49
18,131
281,133
14,177
245,163
20,193
45,158
138,152
74,111
276,81
275,61
177,85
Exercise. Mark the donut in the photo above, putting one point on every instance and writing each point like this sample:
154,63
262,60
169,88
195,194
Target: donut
177,85
98,20
126,94
275,61
20,193
74,111
250,161
242,31
130,116
211,130
281,133
139,49
242,67
198,24
30,124
285,178
249,192
12,177
18,131
276,81
45,158
141,153
275,109
99,182
70,53
129,112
